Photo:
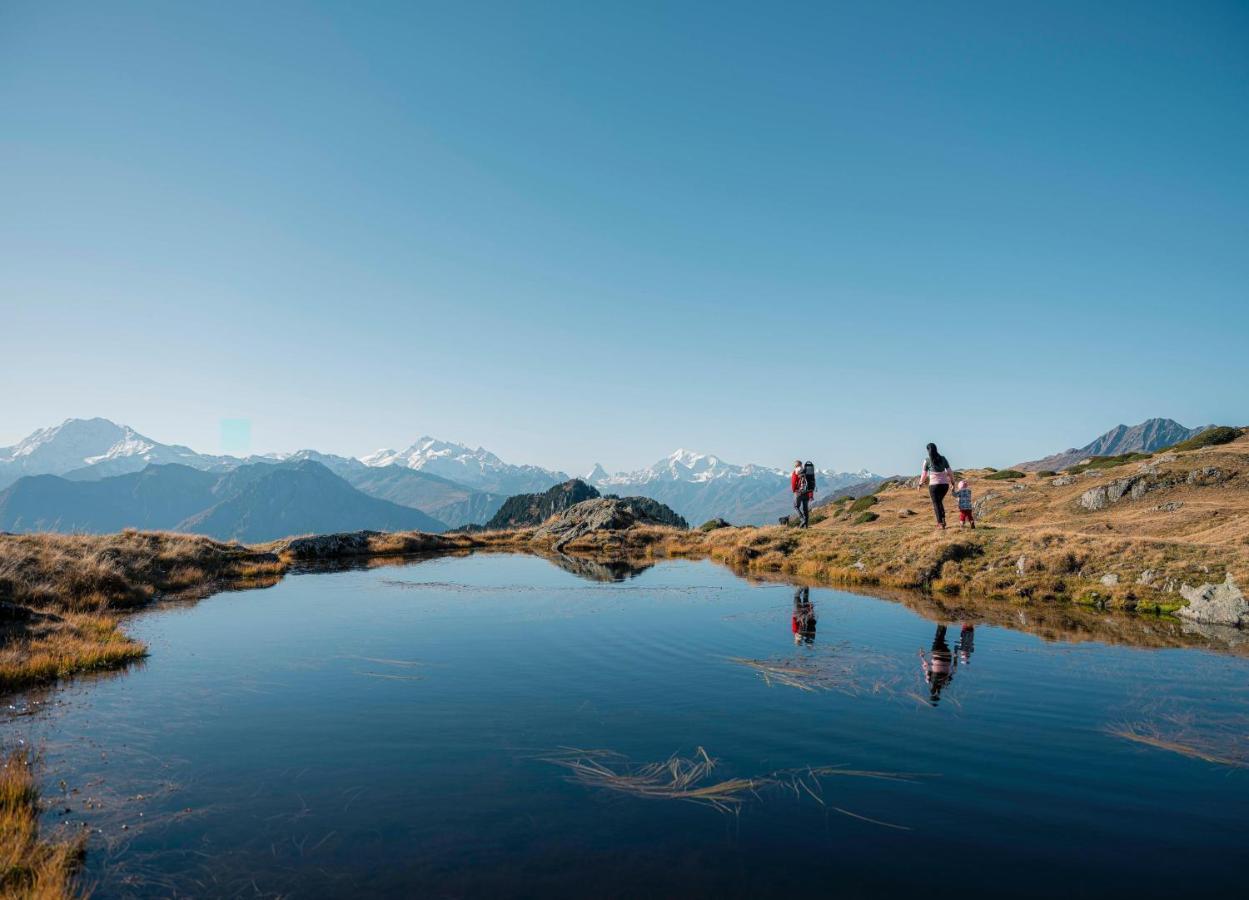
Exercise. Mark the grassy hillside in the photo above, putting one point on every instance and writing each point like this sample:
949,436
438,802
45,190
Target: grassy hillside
1127,535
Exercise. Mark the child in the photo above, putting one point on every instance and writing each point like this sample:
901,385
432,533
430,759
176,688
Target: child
965,513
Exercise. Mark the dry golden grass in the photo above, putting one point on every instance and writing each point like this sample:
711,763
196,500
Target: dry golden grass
29,867
46,649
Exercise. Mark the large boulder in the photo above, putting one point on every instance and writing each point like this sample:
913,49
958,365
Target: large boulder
1215,604
605,514
524,510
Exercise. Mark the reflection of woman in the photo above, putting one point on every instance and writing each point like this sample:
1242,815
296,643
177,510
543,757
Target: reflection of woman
939,671
803,621
939,476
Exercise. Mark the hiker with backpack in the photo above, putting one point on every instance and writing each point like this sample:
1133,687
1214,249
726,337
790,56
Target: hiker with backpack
940,478
802,483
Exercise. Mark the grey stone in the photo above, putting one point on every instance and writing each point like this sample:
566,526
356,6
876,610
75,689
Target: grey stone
1146,578
602,514
1110,579
1215,604
1064,480
1170,505
1021,566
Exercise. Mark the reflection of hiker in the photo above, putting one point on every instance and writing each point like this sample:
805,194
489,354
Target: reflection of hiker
802,483
937,471
803,622
940,670
966,645
965,508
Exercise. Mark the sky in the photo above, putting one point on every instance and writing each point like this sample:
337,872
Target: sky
578,233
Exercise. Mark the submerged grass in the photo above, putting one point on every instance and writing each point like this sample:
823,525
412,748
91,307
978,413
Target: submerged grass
31,867
821,673
691,779
1221,742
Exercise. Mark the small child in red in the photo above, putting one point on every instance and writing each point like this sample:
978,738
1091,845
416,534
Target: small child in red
965,508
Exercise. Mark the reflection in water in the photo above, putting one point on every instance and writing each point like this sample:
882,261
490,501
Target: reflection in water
803,621
281,744
605,570
966,643
939,666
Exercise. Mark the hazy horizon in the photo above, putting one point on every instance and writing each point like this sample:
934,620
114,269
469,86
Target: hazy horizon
575,235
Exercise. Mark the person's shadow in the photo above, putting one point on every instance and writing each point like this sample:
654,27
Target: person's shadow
803,621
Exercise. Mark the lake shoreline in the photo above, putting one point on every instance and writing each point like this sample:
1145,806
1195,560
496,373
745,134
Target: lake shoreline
63,595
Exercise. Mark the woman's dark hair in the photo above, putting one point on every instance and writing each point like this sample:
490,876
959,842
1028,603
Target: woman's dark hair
936,462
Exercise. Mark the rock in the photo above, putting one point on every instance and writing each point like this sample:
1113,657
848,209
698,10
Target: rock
1215,604
603,514
1064,480
716,524
1110,579
1207,476
523,510
1132,486
858,564
906,513
1165,458
1146,578
359,543
1021,566
1170,506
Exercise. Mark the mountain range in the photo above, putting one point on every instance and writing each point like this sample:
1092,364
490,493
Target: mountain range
250,503
701,486
450,482
96,475
1148,436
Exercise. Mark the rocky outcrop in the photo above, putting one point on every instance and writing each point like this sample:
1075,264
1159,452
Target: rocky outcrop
655,512
603,514
1147,481
1215,604
358,543
525,510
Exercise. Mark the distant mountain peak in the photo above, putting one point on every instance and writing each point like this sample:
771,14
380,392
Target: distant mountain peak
478,468
1145,437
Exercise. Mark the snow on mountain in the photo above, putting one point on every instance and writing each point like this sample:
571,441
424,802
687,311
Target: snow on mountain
701,486
478,468
96,445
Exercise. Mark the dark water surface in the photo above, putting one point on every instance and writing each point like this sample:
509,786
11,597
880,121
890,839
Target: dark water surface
400,731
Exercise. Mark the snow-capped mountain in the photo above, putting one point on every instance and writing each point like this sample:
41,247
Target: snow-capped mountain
478,468
96,446
701,486
458,484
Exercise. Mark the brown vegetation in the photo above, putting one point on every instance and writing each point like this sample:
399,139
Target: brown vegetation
29,867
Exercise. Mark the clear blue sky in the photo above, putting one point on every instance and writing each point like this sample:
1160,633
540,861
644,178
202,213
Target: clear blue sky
582,231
